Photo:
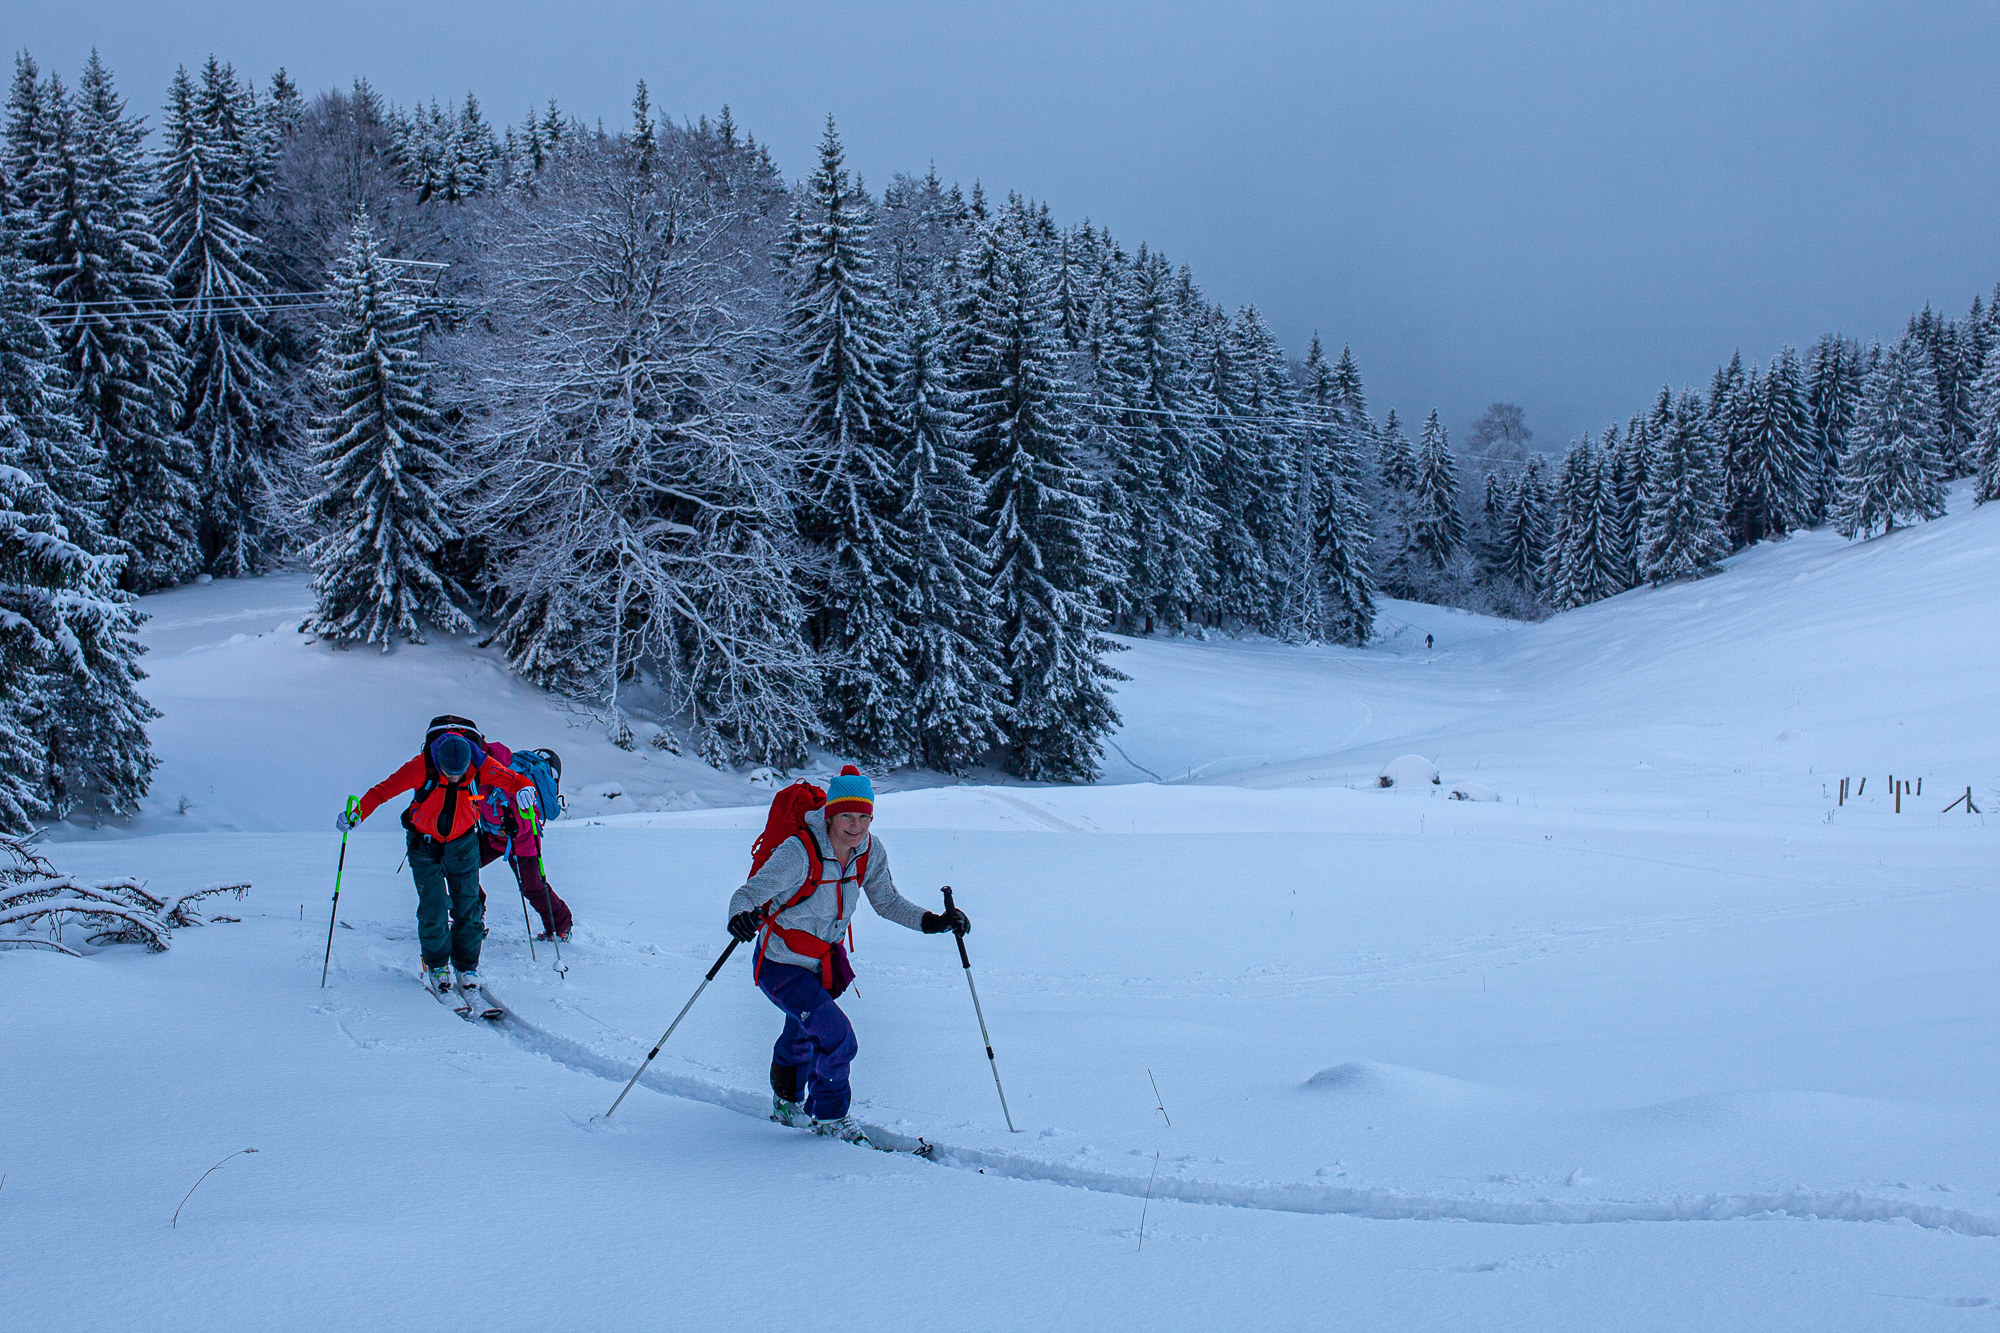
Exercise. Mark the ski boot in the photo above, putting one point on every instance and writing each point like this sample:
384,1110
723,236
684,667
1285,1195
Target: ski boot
790,1113
438,979
843,1128
468,990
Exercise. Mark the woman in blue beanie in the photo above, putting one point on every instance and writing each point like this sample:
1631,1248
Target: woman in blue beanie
800,899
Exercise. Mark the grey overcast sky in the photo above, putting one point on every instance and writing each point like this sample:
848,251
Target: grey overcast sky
1564,205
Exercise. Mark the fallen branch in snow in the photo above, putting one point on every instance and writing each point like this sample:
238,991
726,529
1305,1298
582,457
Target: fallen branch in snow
120,911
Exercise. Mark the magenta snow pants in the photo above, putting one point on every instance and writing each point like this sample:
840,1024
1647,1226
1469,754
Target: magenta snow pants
818,1041
553,911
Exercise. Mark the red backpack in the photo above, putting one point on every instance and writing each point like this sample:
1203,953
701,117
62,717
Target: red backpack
787,820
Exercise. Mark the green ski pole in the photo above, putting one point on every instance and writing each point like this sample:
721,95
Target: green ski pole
352,803
542,866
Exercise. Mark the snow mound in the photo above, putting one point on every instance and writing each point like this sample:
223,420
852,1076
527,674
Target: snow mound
1410,770
1472,791
1368,1081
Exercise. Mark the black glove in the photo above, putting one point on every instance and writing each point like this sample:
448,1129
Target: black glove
936,923
744,926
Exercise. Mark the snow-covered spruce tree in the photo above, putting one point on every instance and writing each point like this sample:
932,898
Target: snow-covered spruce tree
1521,544
1774,485
445,157
1985,456
958,687
838,326
1341,519
1280,449
92,241
1726,423
1161,382
1624,475
380,454
1894,469
1584,559
1941,340
72,722
1041,528
1396,458
632,442
1392,501
30,134
1248,473
1681,532
1116,445
1437,527
208,166
1833,383
283,112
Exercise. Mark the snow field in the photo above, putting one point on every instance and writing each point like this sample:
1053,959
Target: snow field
1661,1037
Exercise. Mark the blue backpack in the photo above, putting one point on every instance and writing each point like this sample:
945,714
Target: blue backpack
545,768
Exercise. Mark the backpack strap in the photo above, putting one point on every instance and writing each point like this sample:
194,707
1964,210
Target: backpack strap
804,943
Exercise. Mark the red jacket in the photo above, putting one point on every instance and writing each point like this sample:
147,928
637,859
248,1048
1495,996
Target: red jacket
451,808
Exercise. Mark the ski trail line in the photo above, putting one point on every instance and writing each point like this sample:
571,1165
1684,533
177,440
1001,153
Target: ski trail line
1379,1204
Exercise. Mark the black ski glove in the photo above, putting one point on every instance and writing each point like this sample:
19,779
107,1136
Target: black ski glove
936,923
744,926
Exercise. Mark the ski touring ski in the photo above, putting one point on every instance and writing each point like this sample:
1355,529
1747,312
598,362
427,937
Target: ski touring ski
924,1148
463,1004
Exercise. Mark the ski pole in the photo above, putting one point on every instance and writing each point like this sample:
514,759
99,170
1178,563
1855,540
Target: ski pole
959,935
526,924
338,871
733,942
542,868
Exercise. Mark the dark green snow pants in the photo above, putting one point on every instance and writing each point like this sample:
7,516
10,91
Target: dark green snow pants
451,919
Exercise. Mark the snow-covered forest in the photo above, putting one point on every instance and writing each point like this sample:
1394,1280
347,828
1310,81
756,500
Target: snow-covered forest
777,464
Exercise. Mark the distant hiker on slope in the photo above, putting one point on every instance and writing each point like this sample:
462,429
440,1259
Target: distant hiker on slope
503,831
450,777
805,873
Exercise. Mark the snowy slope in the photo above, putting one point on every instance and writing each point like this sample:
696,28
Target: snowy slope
1664,1036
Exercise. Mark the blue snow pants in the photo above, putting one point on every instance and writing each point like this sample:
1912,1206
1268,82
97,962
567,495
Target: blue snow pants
817,1040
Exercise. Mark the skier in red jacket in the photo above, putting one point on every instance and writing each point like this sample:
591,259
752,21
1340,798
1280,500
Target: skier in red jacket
451,777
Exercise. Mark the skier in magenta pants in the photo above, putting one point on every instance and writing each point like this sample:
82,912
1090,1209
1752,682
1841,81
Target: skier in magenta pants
502,832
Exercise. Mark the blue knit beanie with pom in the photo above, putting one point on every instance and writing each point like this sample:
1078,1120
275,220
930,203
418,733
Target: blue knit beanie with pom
850,792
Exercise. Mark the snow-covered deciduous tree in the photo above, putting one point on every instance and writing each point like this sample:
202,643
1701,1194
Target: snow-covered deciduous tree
378,570
633,446
1894,469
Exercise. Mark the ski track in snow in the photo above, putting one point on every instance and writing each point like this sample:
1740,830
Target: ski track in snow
1284,1197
